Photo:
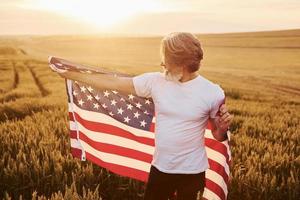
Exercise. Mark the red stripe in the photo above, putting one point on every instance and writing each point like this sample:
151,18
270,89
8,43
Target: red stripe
71,116
113,130
209,125
73,134
217,146
216,167
76,152
119,169
115,149
152,127
215,188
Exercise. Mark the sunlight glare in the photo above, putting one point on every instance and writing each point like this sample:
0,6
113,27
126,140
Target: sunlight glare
100,13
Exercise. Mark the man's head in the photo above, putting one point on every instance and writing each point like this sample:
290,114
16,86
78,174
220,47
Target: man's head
180,51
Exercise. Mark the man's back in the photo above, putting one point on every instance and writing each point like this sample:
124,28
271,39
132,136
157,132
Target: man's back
181,110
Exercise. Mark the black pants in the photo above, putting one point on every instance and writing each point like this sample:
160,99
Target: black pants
162,186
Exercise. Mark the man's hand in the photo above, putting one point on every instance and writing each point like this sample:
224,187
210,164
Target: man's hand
221,123
55,69
225,118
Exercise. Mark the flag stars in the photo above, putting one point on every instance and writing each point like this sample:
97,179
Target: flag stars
136,114
90,89
96,105
122,99
103,105
97,97
147,101
143,123
113,102
114,91
120,111
106,93
83,89
126,119
146,112
81,102
130,96
89,97
129,106
110,113
138,105
75,93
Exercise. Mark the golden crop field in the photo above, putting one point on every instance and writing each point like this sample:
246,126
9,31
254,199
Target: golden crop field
259,72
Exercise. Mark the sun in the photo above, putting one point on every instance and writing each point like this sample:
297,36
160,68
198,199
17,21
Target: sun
99,13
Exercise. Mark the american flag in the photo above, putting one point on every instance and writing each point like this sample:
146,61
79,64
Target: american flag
116,131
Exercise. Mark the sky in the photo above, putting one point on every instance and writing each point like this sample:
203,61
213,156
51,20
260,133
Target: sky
145,17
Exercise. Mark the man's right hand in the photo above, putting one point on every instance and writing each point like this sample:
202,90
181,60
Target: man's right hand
55,69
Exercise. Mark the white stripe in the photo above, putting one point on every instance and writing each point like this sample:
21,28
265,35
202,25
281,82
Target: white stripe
217,157
154,119
208,134
216,178
115,159
69,86
103,118
75,143
210,195
113,139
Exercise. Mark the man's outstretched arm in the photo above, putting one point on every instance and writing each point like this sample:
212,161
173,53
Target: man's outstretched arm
102,81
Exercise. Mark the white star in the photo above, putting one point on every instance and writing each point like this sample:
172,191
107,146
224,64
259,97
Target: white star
122,99
120,110
136,115
81,102
89,97
82,88
138,105
96,105
143,123
147,101
126,119
90,89
129,106
146,112
114,91
111,113
75,93
106,93
104,106
113,102
130,96
97,97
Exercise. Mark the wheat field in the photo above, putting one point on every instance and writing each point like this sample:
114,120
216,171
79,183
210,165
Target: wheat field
259,72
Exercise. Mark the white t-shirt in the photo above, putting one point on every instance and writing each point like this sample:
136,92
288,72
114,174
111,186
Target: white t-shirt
182,111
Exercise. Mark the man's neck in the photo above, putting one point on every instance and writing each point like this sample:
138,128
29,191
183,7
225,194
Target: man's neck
188,76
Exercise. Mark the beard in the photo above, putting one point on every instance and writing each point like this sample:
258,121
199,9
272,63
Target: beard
172,77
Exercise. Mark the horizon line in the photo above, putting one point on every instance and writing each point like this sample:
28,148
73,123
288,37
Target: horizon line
114,34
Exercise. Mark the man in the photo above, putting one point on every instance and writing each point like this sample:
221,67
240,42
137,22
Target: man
184,102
